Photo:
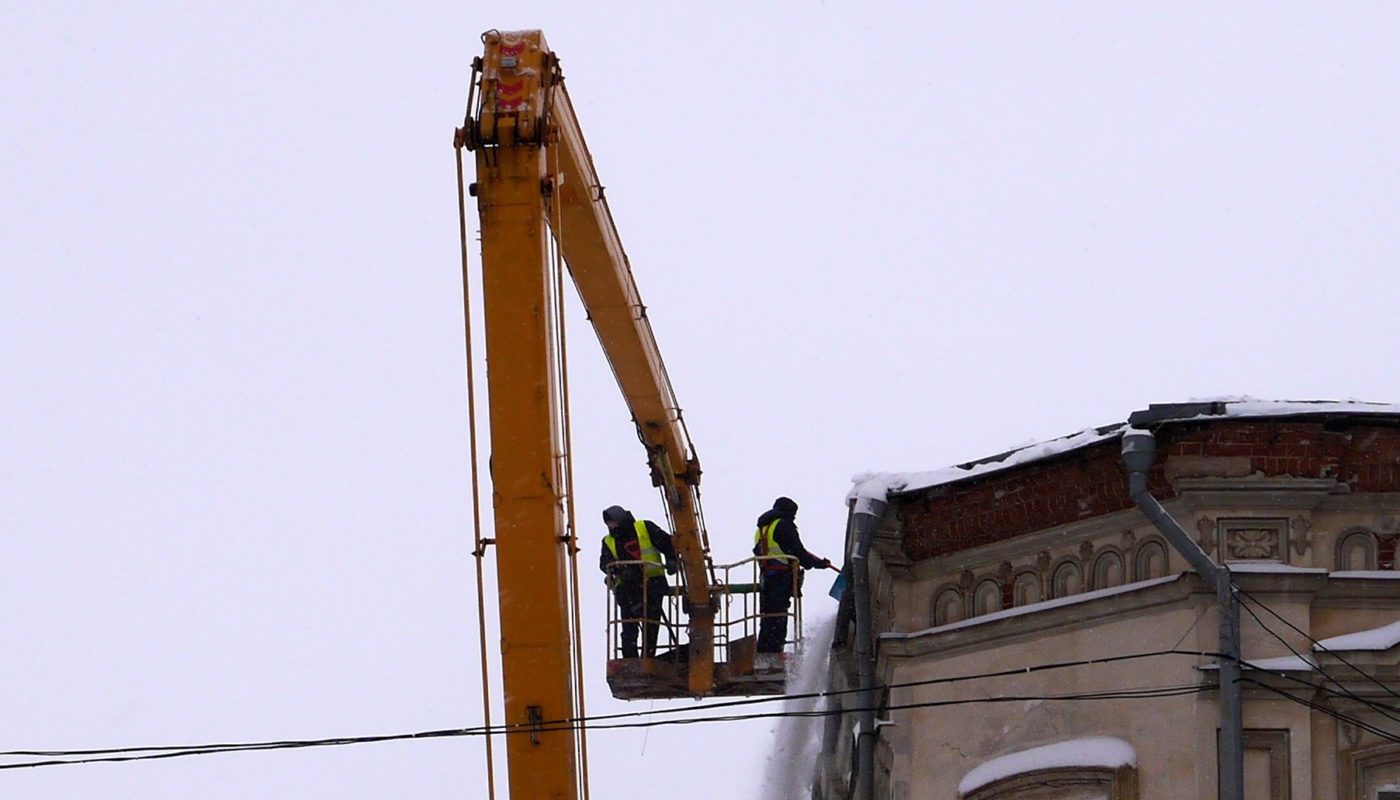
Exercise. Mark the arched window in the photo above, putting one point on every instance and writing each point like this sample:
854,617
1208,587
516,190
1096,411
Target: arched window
1026,589
1151,561
1066,580
1091,768
1356,550
948,607
987,599
1108,570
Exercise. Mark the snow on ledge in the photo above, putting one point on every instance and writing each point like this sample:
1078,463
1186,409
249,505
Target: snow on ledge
1382,638
1265,567
1367,574
1282,664
1031,608
1092,751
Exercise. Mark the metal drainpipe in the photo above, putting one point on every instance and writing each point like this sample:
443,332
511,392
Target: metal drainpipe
1139,448
867,514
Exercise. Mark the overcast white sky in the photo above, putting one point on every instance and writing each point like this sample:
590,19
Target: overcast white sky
233,474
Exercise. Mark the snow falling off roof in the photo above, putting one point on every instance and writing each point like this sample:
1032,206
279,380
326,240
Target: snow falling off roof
880,485
1382,638
1091,751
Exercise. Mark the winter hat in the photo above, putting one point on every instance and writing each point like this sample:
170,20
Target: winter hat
785,506
616,514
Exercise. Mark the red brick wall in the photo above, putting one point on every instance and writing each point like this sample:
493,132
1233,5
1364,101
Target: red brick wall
1091,482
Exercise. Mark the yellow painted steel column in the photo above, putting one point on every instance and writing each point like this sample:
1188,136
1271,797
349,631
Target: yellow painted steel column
525,473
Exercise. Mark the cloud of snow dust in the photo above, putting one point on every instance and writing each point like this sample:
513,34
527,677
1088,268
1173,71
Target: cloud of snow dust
797,744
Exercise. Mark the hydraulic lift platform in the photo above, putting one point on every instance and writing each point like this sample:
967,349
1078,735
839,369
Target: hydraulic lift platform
739,670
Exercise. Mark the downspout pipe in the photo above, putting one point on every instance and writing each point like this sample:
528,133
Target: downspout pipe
867,514
1139,450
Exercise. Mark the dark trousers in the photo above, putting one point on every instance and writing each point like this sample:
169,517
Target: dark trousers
774,600
636,611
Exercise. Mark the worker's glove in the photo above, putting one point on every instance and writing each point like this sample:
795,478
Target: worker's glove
826,563
671,567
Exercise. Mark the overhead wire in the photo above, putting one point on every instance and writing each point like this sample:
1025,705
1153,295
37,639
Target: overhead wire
1331,712
595,721
479,552
155,753
556,242
1342,690
634,720
1318,645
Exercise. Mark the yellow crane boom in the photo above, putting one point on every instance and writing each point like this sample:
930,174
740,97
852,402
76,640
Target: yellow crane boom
531,159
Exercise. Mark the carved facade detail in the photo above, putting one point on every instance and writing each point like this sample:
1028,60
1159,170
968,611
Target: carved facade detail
1254,539
1252,543
1205,534
1300,534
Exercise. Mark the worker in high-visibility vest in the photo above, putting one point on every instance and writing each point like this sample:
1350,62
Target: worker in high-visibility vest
782,557
640,589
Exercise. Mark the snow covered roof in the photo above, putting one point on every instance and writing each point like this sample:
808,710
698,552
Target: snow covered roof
1091,751
879,485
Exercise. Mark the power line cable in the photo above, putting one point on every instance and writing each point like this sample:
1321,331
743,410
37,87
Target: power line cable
1344,691
148,753
1331,712
488,728
1318,645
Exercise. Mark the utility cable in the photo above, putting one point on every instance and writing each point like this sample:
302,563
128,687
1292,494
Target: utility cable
479,552
1343,691
1331,712
489,729
155,753
571,531
1318,645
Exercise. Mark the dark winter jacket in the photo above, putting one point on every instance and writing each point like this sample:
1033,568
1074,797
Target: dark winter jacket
628,548
788,539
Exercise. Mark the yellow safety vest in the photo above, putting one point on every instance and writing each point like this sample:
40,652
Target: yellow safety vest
650,554
764,544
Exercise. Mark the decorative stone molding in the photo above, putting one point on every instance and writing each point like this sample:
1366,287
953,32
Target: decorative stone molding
1253,539
1301,494
1300,533
1086,551
1129,538
1274,745
1205,533
1047,784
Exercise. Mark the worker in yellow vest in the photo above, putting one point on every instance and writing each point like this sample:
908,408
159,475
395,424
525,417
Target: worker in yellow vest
640,588
782,558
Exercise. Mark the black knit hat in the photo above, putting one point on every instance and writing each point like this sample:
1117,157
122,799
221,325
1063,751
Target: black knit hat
616,514
785,506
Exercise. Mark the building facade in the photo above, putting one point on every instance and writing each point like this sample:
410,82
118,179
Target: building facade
1038,638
